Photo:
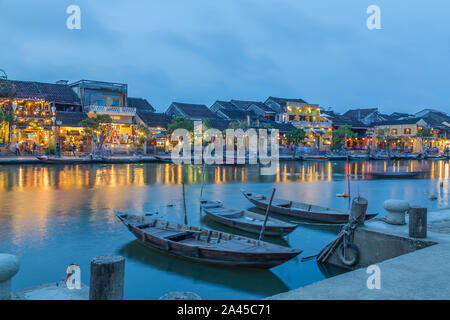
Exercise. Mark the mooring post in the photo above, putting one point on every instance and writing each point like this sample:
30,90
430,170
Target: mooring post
107,278
417,222
9,265
358,210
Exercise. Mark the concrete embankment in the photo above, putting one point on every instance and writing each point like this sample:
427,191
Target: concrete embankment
409,268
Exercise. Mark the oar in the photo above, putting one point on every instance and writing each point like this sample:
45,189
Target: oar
309,257
261,235
184,205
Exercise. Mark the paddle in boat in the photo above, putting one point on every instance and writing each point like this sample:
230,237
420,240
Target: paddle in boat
204,245
245,220
300,210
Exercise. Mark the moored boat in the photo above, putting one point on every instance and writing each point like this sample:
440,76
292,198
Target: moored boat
300,209
358,157
64,160
379,157
314,157
337,157
204,245
245,220
395,175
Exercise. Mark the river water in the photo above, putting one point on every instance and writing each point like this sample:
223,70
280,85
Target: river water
52,216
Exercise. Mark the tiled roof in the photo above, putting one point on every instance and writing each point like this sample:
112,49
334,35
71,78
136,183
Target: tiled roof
243,105
70,119
359,113
195,110
226,105
140,104
282,101
219,124
264,107
57,93
154,120
402,121
236,114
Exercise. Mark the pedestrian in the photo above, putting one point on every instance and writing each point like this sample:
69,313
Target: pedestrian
69,148
16,149
74,147
34,147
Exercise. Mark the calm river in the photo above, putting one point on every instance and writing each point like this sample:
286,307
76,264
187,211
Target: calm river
52,216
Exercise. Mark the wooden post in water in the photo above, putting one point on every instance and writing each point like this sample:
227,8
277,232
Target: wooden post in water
417,222
261,235
203,178
358,210
184,205
107,278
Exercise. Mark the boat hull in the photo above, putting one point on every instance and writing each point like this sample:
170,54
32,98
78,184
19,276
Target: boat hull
338,218
270,230
212,254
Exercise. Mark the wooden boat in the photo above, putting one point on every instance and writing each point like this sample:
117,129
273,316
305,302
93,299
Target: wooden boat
163,158
301,210
122,159
379,157
435,157
337,157
245,220
204,245
317,157
56,160
395,175
358,157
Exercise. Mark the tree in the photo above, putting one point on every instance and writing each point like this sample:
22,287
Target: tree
380,134
101,125
180,123
238,125
296,136
144,135
423,134
340,134
7,89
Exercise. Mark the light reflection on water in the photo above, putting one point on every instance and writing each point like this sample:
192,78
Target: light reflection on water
52,216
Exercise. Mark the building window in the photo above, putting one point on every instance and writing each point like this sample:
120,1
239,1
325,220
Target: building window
394,131
407,131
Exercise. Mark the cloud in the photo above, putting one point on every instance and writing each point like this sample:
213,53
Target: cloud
202,50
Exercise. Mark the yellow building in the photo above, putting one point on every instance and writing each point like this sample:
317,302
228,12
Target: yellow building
307,117
402,134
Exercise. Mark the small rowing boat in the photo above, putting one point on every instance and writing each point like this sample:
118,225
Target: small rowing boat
358,157
395,175
245,220
204,245
317,157
56,160
300,209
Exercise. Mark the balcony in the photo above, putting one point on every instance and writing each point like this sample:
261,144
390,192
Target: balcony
117,111
310,124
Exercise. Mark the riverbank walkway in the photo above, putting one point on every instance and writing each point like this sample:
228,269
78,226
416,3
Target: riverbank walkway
422,274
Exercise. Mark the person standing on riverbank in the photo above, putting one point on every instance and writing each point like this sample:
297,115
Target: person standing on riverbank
17,149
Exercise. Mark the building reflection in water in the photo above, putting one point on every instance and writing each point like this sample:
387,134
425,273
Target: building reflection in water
137,175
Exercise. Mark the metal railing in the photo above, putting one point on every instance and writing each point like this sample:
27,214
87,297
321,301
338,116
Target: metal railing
111,110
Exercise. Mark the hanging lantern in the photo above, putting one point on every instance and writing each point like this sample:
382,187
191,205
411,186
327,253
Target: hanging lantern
14,106
53,109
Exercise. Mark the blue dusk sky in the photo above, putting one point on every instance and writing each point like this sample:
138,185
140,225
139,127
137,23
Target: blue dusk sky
199,51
